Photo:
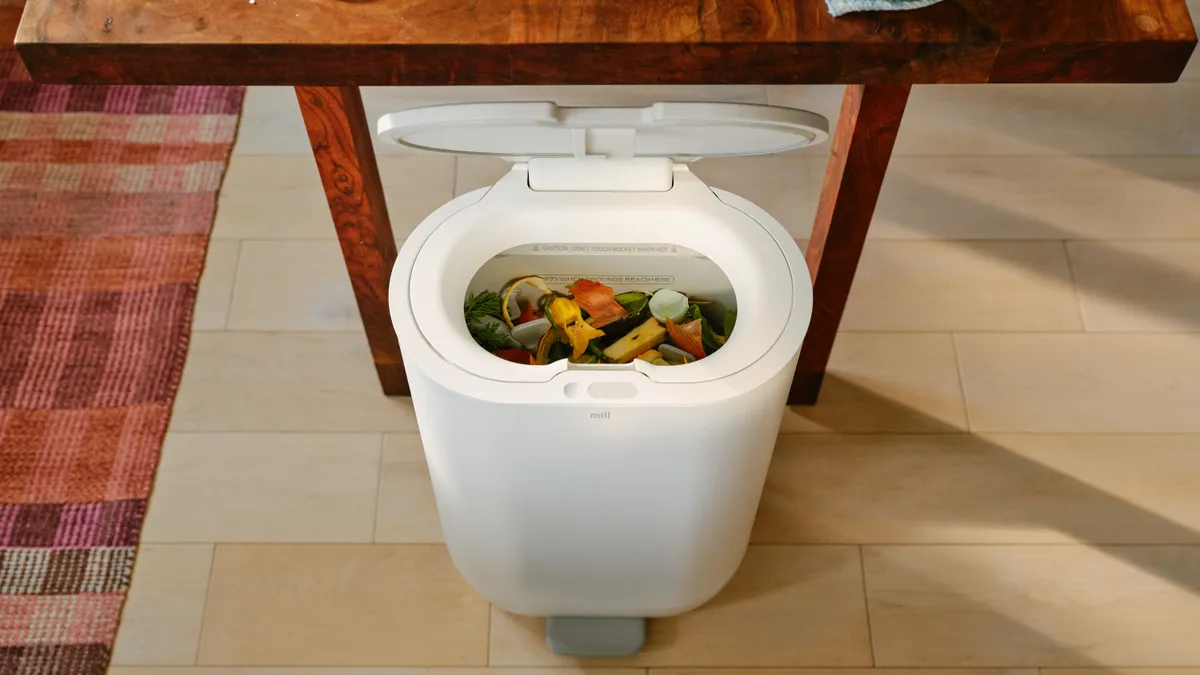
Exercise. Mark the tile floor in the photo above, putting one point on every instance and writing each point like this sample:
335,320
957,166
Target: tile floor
1001,473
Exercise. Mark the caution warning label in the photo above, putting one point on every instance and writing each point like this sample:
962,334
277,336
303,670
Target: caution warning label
611,279
601,249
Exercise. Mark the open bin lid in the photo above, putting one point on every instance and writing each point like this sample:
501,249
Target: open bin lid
677,130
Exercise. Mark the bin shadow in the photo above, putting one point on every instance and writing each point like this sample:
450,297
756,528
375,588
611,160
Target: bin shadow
983,489
979,489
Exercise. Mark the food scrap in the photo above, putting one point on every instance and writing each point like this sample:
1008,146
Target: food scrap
668,305
567,317
688,337
593,324
640,340
516,356
598,301
536,282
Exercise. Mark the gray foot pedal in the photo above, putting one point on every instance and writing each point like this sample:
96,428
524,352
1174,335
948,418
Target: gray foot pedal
595,636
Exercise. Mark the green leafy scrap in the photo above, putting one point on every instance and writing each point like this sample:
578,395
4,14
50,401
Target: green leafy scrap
488,335
485,303
711,341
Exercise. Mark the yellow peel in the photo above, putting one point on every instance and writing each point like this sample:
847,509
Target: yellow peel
536,282
566,316
579,334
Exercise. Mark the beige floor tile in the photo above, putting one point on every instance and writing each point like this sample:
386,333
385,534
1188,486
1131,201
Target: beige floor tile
272,125
785,187
160,624
280,197
478,172
357,670
1138,286
261,212
216,286
272,197
881,382
786,606
346,605
236,381
335,670
1039,198
1033,605
964,489
415,187
1033,119
1037,120
849,671
271,171
1121,670
407,511
265,487
1192,71
293,285
963,286
1082,382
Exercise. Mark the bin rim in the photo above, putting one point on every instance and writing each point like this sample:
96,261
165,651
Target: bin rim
773,301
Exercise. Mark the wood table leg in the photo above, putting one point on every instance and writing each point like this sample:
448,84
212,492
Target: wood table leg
341,142
862,147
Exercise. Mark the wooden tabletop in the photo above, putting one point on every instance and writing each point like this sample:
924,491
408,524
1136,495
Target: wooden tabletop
478,42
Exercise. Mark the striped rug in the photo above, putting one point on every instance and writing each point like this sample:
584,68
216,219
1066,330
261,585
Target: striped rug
106,200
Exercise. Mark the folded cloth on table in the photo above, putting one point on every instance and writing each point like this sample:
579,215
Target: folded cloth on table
840,7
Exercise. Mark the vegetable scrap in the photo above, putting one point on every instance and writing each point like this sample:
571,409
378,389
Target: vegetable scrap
598,301
567,317
516,356
536,282
592,324
687,337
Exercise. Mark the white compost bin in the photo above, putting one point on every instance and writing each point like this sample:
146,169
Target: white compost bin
599,495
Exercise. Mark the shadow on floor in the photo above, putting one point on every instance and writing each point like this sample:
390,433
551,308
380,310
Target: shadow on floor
1128,270
977,493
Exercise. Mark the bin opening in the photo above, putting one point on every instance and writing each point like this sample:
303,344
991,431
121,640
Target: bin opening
600,305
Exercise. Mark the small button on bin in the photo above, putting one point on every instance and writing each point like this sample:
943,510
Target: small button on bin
612,390
573,390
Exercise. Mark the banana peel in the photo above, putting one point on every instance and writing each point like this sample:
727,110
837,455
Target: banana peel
534,281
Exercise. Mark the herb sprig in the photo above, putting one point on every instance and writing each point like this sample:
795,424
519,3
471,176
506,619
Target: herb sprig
482,304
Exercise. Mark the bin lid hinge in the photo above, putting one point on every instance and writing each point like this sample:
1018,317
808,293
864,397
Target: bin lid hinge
604,161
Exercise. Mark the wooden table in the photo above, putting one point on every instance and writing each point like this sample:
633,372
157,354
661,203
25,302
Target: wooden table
329,48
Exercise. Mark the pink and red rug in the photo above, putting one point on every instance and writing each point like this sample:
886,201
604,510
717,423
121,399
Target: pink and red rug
107,196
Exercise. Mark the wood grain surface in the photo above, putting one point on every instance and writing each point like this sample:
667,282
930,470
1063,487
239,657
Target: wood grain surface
445,42
862,146
10,19
341,142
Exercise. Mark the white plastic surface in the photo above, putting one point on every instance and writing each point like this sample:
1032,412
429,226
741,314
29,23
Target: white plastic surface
599,174
678,130
599,491
610,507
